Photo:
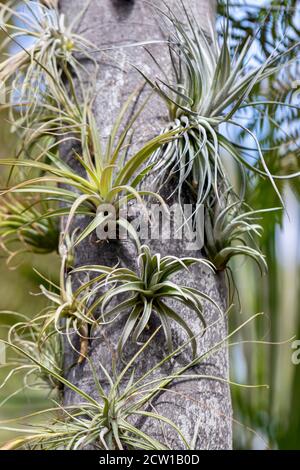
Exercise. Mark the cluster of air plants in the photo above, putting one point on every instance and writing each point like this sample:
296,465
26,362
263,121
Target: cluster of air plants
27,225
77,311
104,421
109,177
209,88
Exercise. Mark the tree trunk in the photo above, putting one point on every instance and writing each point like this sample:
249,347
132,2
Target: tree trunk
203,405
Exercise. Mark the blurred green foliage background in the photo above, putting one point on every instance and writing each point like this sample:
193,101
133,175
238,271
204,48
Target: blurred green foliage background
17,289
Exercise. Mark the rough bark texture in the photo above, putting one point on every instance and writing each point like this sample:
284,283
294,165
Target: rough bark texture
203,404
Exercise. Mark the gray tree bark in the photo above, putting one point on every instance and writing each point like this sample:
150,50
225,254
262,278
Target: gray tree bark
203,405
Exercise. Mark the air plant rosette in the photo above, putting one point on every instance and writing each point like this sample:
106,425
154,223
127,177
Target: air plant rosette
208,88
68,313
108,422
108,177
105,422
40,73
52,47
147,292
232,229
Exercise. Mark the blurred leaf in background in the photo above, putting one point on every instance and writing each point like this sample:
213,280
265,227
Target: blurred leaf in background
274,415
16,289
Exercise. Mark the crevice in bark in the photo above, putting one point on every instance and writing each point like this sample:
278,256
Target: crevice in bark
123,8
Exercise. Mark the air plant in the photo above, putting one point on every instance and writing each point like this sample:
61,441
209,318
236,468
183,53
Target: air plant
53,47
46,349
105,422
57,118
209,88
30,223
108,422
68,312
146,292
109,178
231,229
40,78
